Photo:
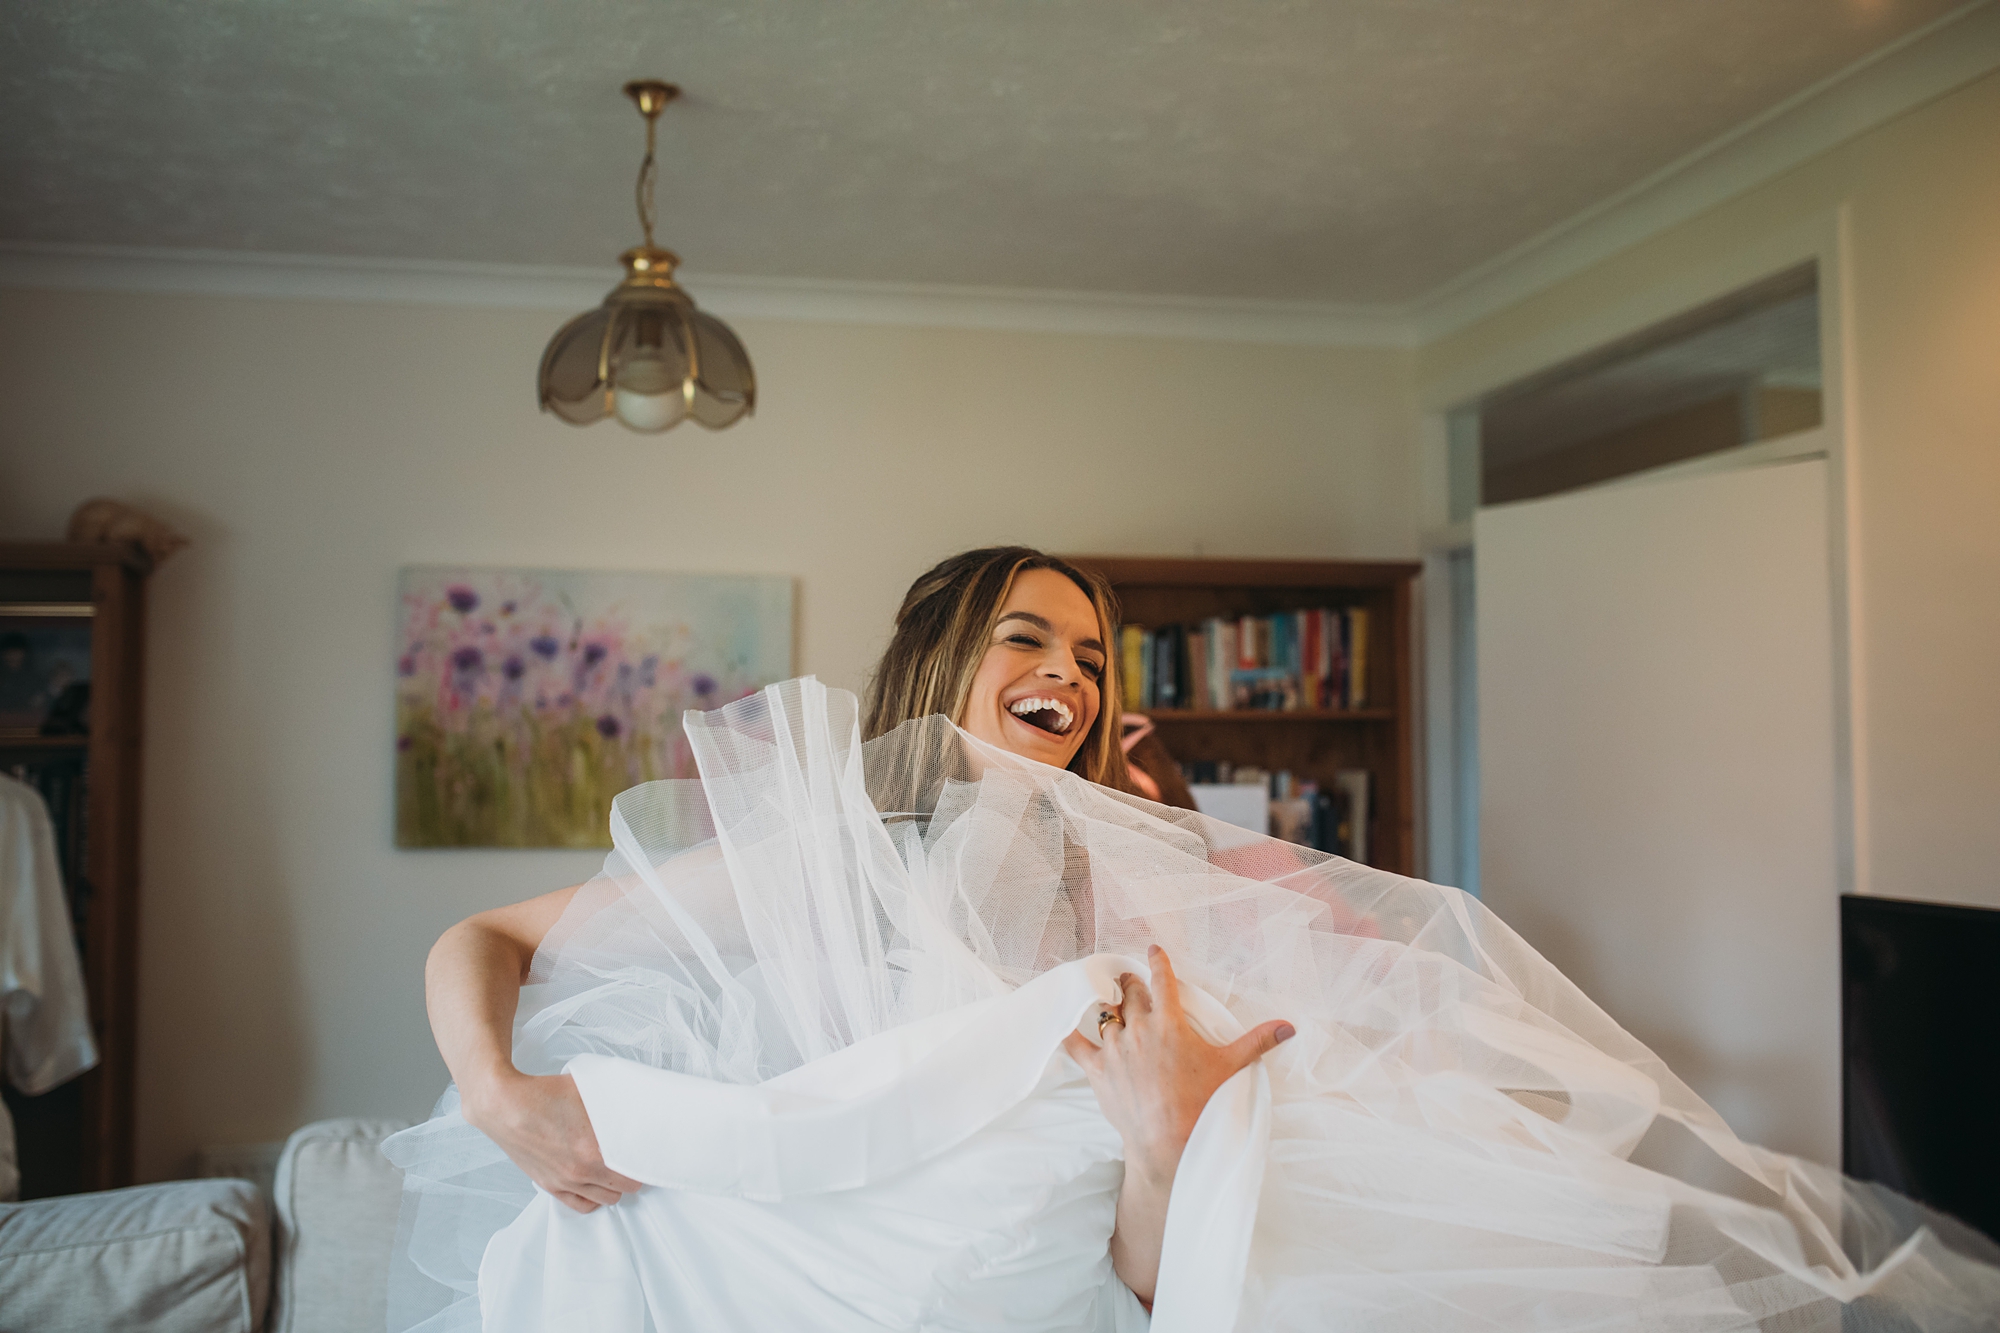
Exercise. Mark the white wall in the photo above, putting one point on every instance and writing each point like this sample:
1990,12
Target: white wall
310,448
1915,201
1656,724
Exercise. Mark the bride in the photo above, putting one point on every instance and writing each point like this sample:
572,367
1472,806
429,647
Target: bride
944,1029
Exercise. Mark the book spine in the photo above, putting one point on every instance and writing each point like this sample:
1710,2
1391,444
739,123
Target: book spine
1323,657
1132,666
1183,669
1302,674
1205,694
1340,659
1246,643
1227,658
1309,688
1357,670
1197,659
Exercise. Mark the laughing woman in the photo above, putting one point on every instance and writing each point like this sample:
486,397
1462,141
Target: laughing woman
1014,646
921,1020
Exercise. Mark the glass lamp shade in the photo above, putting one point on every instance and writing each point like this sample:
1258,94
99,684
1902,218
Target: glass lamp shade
648,357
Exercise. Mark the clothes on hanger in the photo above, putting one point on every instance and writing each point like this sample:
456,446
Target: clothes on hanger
44,1014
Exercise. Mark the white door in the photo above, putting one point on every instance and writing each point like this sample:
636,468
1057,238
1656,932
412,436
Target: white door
1657,774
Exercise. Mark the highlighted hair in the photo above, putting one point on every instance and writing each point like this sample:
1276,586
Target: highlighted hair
944,628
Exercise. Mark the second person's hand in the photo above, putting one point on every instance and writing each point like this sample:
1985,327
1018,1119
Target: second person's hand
541,1124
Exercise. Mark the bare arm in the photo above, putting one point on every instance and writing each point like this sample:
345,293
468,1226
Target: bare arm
1153,1076
472,984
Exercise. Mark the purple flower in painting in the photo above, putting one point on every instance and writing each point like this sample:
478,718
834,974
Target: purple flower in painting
462,598
593,653
607,727
649,669
468,659
406,665
545,646
402,744
704,685
506,608
513,668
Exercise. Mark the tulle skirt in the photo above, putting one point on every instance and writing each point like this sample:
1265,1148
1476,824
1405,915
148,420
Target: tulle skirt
816,1003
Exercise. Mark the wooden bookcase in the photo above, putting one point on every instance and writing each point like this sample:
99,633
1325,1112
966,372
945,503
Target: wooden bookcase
79,1136
1310,743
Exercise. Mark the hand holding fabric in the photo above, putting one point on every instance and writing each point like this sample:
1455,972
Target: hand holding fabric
541,1124
1152,1076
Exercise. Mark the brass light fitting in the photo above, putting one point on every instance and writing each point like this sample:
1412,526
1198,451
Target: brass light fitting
647,356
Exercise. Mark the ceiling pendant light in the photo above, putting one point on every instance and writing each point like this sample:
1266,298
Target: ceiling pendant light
647,356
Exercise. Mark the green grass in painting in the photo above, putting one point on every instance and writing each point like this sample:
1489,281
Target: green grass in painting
528,780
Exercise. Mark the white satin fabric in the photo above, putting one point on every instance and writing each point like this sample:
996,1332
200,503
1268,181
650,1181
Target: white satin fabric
966,1148
816,1003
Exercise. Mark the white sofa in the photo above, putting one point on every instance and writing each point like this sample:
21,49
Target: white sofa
208,1256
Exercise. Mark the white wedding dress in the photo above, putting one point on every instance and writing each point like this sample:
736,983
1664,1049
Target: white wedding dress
816,1003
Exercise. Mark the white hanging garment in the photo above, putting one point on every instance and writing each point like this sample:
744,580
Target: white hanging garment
816,1003
44,1015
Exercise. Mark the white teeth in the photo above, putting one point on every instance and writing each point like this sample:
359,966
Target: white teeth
1040,703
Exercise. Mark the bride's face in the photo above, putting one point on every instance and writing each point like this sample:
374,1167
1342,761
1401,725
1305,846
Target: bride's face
1036,691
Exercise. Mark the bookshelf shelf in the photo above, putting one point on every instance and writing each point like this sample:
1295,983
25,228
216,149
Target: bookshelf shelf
1313,744
1271,714
44,742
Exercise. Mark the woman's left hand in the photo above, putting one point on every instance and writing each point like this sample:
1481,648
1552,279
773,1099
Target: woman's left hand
1155,1073
1153,1076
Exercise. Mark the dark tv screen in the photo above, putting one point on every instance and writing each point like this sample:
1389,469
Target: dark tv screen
1920,1031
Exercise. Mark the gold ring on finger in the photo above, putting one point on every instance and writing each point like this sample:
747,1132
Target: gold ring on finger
1108,1017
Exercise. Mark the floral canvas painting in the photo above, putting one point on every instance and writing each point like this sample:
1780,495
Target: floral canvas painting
527,699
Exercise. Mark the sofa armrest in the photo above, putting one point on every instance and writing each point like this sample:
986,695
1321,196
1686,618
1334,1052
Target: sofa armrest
337,1199
191,1256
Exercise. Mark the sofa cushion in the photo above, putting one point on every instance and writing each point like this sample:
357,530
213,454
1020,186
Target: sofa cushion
337,1202
192,1255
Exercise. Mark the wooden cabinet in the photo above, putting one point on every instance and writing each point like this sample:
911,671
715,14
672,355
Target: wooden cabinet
1311,744
91,598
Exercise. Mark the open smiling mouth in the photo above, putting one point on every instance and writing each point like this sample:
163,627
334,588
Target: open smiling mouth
1050,715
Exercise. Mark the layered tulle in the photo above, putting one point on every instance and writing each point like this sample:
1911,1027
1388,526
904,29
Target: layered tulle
816,1000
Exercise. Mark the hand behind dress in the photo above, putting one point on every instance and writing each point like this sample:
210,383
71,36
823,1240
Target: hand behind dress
540,1123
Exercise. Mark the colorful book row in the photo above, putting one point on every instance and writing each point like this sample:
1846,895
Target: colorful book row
1286,662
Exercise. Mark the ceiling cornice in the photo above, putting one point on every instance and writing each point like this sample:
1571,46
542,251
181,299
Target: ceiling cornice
1962,46
1900,77
419,282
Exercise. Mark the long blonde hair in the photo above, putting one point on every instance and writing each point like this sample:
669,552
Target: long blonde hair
942,633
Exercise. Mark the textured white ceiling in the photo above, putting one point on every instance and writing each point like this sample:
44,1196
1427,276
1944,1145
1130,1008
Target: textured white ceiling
1348,150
